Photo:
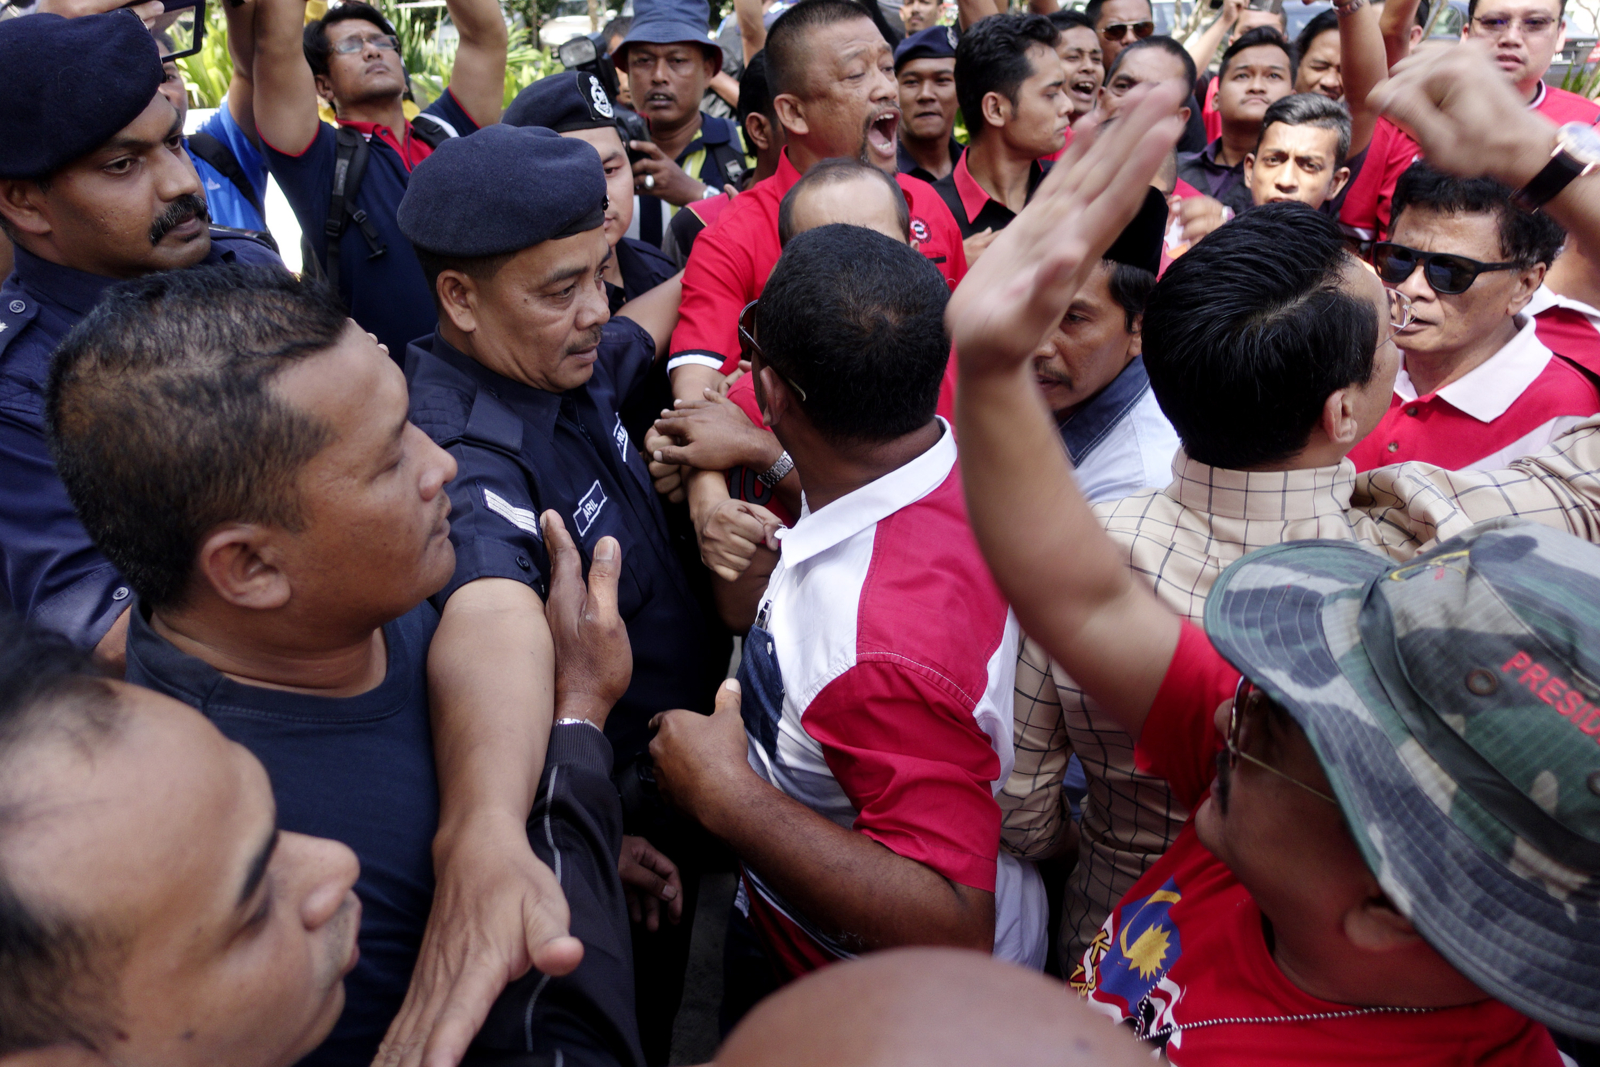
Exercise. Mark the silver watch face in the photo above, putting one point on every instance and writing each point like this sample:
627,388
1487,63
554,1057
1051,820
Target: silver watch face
1580,141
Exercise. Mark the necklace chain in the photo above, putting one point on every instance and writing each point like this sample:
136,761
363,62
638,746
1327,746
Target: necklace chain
1246,1019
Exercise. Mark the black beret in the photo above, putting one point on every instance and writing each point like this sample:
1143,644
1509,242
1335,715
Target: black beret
69,85
571,100
1139,243
503,189
935,42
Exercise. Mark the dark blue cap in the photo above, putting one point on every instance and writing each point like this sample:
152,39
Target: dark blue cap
69,85
503,189
935,42
571,100
668,22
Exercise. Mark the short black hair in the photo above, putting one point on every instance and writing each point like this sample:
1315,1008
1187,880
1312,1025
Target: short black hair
1325,22
1472,9
162,421
1067,20
480,269
992,57
617,27
1310,109
56,970
1248,333
1526,237
786,39
832,172
1130,289
314,38
1167,45
1093,7
1254,38
755,96
1425,7
856,321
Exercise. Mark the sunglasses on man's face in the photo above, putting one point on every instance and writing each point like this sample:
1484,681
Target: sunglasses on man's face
1250,706
1118,31
1447,274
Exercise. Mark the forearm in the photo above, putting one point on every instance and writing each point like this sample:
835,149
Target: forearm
490,686
1067,581
858,892
1363,63
724,86
970,11
1395,22
738,601
478,78
285,97
752,28
242,51
1202,47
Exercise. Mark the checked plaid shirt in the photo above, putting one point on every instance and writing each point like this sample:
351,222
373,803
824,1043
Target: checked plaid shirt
1180,539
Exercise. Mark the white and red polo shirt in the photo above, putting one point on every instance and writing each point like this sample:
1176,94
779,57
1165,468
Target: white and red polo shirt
1567,326
877,692
1511,405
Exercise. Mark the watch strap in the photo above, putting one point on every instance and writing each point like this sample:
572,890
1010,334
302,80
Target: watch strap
1562,170
777,472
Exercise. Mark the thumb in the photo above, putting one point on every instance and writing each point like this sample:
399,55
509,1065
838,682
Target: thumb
728,698
564,566
604,571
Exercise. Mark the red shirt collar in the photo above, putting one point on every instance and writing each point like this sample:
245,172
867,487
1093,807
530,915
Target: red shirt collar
411,152
973,198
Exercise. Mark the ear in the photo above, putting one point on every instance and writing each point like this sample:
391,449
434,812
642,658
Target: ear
1339,422
791,114
1526,283
22,204
1136,337
1249,169
1373,925
1415,36
996,109
1341,178
773,396
458,298
238,563
1184,113
755,125
324,88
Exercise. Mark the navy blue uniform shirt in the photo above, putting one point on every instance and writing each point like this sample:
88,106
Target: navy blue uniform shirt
521,451
643,268
49,569
389,295
355,769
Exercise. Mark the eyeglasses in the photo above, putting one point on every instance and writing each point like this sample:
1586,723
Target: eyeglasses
750,347
1447,274
382,41
1245,694
1496,26
1118,31
1401,313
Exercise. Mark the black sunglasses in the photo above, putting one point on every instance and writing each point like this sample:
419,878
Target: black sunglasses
1116,31
751,347
1447,274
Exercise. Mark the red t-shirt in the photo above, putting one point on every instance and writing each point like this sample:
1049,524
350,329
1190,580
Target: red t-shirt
1209,113
1367,203
1185,945
1511,406
733,256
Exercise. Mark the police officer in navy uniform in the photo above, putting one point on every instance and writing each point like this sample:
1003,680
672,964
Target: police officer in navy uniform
95,187
670,57
522,383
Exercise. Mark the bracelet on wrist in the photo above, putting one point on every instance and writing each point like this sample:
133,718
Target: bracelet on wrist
575,722
777,472
1348,7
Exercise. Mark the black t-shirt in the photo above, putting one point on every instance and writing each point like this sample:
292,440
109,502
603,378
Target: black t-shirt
355,769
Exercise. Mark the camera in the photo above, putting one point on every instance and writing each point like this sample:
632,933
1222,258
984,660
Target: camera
581,53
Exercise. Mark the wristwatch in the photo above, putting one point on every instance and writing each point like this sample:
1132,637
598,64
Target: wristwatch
777,472
1348,7
1577,152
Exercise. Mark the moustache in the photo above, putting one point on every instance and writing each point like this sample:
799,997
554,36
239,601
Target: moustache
186,207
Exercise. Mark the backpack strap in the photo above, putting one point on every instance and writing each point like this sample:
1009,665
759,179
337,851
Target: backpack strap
225,163
431,130
351,153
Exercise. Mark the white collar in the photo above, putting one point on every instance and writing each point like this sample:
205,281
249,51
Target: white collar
1544,298
1489,389
817,531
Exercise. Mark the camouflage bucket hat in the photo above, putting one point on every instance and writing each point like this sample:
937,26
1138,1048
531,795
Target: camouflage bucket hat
1454,702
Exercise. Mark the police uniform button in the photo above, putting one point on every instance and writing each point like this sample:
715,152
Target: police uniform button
522,561
121,593
18,307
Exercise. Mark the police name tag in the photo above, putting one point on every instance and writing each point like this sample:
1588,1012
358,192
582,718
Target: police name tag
589,508
619,434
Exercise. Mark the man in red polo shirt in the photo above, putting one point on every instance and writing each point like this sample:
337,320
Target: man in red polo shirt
1010,84
1478,388
1523,35
1357,885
